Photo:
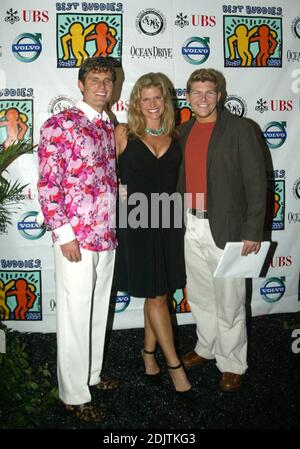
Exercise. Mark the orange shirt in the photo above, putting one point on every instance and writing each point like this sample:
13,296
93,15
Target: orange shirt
195,162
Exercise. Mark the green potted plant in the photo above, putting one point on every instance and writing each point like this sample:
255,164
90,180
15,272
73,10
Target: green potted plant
10,191
26,392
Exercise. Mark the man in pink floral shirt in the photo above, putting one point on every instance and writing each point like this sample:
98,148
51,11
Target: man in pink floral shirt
77,192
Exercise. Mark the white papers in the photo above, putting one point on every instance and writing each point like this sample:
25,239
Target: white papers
233,264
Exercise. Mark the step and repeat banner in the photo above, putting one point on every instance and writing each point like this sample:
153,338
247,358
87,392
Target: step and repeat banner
256,44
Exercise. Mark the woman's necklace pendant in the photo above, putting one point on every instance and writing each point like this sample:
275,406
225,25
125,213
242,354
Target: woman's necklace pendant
155,132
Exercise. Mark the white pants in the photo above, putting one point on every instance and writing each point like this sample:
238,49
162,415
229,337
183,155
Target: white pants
217,304
82,296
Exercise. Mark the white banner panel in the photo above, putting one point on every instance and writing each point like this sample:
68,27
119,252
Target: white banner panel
257,47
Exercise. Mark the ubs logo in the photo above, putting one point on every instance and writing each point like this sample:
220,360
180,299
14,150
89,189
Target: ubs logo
150,22
281,261
200,20
181,20
32,15
120,106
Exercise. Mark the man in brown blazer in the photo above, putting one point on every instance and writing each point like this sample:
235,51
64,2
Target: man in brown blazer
223,165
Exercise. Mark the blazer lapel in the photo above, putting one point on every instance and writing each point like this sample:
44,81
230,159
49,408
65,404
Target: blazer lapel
184,132
215,138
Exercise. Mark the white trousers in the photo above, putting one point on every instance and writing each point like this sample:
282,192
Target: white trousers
82,297
217,304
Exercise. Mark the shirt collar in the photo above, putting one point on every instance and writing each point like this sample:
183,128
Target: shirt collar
90,112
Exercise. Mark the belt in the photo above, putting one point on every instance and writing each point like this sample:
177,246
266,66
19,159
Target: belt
198,213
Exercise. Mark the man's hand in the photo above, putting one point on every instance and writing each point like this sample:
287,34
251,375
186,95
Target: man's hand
250,247
71,251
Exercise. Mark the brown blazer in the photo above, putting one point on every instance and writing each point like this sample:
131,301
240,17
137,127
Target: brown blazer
236,179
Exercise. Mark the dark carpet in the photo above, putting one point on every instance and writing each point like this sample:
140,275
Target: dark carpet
268,399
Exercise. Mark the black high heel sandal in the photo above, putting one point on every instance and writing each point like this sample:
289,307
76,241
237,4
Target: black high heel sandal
188,395
153,378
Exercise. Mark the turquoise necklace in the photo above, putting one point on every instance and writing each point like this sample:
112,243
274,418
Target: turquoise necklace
155,132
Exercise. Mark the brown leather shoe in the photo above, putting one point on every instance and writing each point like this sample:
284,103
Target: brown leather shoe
193,359
230,382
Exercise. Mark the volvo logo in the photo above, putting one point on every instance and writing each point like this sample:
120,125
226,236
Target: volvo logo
273,289
275,134
122,302
29,228
196,50
27,47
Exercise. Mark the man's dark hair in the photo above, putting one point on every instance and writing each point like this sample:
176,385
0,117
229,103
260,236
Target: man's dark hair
97,64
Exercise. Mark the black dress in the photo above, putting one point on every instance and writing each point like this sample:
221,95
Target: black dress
149,259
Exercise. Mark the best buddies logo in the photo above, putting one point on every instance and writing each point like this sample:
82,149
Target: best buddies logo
183,111
16,120
276,198
20,292
252,41
80,36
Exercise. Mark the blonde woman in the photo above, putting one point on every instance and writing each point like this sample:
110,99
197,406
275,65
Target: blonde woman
150,256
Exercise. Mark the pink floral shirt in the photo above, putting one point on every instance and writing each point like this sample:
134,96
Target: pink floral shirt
77,179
